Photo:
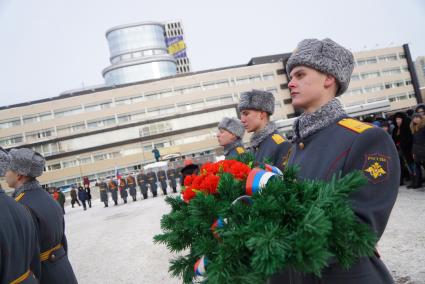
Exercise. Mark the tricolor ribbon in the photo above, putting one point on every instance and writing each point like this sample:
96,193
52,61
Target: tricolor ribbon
200,266
218,223
257,180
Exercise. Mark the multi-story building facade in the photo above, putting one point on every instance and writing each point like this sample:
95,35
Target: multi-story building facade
91,132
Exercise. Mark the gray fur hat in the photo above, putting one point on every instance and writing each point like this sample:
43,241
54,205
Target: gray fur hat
325,56
257,100
26,162
4,161
232,125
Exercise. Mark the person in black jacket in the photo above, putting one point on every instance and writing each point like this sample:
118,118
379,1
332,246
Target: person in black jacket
82,195
403,140
417,127
88,194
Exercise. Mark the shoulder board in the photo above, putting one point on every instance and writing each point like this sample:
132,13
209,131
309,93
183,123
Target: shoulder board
240,150
354,125
278,139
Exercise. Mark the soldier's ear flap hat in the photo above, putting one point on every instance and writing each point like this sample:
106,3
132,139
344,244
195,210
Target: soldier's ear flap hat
325,56
232,125
26,162
257,100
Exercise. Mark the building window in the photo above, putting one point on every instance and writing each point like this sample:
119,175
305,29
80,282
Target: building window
284,86
396,84
387,58
391,71
69,164
373,88
364,61
248,79
100,106
11,140
268,76
280,71
36,135
68,112
101,123
398,97
287,101
100,157
368,75
52,167
357,91
187,89
355,77
402,56
9,123
291,115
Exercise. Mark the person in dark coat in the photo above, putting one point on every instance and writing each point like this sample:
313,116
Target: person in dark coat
267,145
172,177
156,154
152,179
327,143
131,182
18,235
113,189
142,181
103,191
61,199
417,127
403,140
88,193
191,169
123,190
74,197
163,180
230,134
24,167
82,196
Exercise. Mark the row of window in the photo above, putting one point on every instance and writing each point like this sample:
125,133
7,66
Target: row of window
381,58
378,87
376,74
16,121
122,118
130,133
391,98
132,150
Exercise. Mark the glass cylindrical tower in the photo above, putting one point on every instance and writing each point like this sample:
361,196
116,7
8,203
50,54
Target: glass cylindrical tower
138,52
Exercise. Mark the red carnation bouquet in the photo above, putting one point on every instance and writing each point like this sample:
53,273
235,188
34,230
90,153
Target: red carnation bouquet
209,177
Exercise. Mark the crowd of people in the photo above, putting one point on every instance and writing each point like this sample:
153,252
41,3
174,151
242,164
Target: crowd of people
407,130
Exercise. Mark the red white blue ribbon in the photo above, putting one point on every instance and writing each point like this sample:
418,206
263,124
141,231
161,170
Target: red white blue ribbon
200,266
257,180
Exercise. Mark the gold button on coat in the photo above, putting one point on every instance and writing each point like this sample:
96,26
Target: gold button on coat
301,145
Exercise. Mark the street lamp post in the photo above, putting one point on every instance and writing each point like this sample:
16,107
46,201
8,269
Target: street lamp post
81,171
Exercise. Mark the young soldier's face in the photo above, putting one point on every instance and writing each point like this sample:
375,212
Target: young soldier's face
12,178
252,120
225,137
307,87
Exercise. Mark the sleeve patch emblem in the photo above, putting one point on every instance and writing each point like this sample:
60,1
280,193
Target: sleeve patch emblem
240,150
278,139
376,167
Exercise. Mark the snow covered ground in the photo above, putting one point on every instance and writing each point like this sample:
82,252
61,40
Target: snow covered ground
114,244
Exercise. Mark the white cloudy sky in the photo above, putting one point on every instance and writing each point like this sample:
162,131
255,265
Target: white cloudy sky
51,46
